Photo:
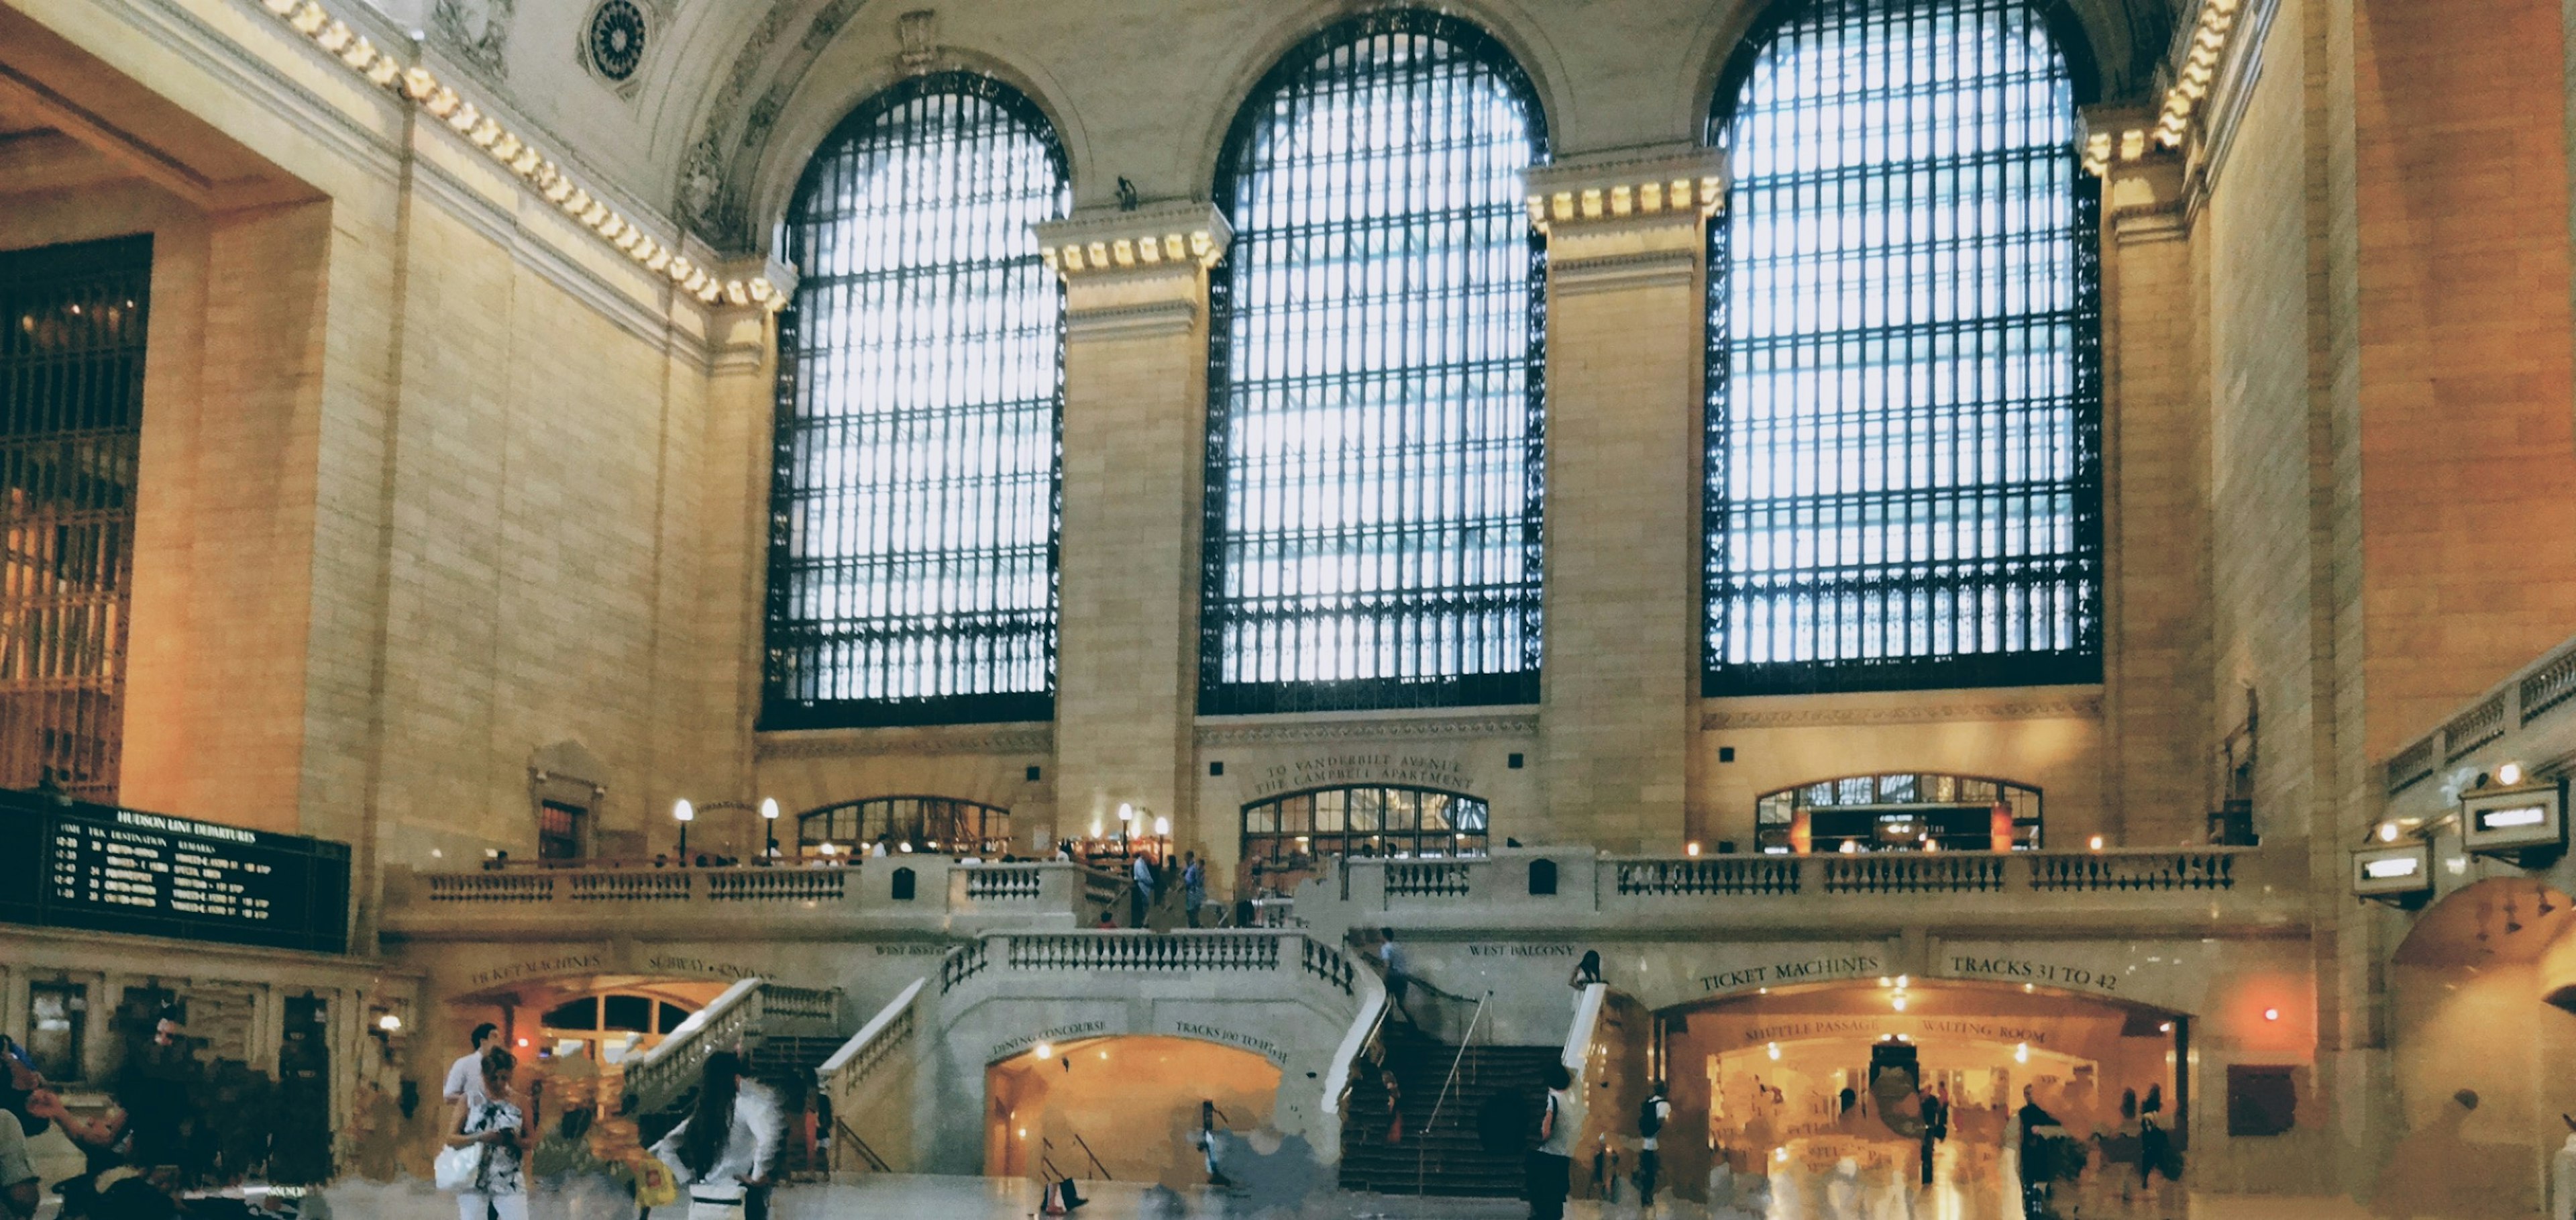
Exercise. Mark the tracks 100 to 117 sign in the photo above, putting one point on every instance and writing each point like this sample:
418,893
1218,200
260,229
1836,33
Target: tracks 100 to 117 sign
124,870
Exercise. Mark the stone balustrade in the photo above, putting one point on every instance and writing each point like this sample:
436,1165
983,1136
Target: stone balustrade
898,893
2116,888
749,1009
2526,719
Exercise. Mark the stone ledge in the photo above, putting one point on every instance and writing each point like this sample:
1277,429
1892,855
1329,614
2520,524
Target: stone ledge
1834,711
1025,738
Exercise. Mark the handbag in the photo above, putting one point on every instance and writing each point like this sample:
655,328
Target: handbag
654,1184
457,1168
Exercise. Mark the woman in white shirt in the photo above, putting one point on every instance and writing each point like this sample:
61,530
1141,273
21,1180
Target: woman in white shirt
506,1133
727,1144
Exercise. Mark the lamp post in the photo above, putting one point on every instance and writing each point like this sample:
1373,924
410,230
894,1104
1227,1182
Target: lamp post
1126,819
768,809
683,813
769,819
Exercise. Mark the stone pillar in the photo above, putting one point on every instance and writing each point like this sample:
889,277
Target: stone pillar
1135,417
1626,350
706,741
2156,781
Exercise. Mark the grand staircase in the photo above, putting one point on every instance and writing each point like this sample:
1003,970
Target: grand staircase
786,1064
1449,1159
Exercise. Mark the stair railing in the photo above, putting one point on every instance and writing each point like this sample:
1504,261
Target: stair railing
1422,1147
1096,1166
843,1137
746,1010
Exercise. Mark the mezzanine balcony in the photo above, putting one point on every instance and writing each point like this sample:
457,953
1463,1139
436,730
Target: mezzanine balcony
2528,719
892,896
2163,891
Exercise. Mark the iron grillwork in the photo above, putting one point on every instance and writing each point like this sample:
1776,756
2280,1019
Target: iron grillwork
1376,379
916,486
1904,377
71,428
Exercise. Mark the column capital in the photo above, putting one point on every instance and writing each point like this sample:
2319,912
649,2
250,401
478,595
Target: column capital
1182,236
2143,195
1655,185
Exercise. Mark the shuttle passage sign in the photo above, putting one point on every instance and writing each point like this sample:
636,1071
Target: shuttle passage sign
125,870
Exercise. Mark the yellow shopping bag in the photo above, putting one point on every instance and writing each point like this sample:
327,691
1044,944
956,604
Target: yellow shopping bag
654,1184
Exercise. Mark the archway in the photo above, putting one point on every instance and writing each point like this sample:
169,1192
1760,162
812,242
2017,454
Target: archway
1126,1108
1796,1085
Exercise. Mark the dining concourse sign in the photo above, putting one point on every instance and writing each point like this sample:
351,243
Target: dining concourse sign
98,867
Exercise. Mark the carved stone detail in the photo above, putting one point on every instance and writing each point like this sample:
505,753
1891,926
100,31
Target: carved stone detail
478,31
1831,717
1412,729
1015,739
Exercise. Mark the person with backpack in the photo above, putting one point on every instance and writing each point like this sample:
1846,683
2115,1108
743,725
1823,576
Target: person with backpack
723,1151
1652,1114
1550,1172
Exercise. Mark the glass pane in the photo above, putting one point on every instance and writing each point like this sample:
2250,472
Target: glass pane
670,1017
921,381
1435,811
1904,384
1374,436
579,1014
1297,815
1329,810
1261,819
628,1012
1366,804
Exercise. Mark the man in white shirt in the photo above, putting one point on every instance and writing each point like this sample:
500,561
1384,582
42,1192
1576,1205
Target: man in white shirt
17,1175
465,1076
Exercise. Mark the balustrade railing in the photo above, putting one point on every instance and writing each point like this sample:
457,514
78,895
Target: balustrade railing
1441,879
1327,963
1909,873
1756,875
778,885
1004,883
962,963
628,887
2473,728
491,887
2097,873
1144,951
2542,687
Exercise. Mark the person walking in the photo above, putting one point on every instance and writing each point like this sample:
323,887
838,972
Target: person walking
506,1133
1652,1114
1936,1126
1399,980
1193,886
1140,891
722,1154
465,1076
1550,1170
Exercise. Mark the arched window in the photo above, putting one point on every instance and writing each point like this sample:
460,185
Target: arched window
917,823
1904,386
1373,472
1899,811
1288,837
913,497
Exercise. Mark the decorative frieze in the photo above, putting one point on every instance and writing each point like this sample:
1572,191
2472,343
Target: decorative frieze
1845,715
1008,739
1423,728
1166,237
517,154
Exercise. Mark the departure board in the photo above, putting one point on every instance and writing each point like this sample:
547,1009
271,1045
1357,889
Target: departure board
125,870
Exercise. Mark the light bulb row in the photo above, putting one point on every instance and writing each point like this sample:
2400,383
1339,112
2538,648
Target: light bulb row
422,88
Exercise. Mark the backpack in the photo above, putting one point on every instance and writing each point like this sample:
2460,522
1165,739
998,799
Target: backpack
1650,1117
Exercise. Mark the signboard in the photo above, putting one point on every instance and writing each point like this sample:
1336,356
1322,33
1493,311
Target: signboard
106,869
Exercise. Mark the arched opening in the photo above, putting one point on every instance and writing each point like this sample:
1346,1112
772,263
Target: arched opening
903,824
1124,1108
1802,1086
1287,838
1899,811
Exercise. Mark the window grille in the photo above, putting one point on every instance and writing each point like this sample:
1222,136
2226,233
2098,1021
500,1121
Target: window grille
924,823
914,496
1375,362
1904,471
1288,837
71,428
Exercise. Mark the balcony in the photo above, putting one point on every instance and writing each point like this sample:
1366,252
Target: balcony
2156,890
2529,718
891,896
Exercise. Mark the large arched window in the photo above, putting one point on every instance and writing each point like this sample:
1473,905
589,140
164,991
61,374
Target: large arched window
905,823
1286,838
1904,476
1374,406
1899,811
912,551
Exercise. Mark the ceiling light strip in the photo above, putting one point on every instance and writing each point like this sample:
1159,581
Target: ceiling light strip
422,88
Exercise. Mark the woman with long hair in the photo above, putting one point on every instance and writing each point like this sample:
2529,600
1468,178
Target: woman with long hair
506,1134
722,1152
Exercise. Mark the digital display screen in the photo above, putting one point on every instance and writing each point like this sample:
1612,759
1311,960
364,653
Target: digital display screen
2519,815
2392,868
107,869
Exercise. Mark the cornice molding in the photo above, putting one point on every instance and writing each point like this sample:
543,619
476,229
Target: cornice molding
1004,739
1619,272
2087,706
1153,319
1684,183
418,86
1161,239
1429,728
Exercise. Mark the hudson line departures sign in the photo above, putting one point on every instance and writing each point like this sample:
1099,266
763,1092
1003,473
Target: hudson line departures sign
70,865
